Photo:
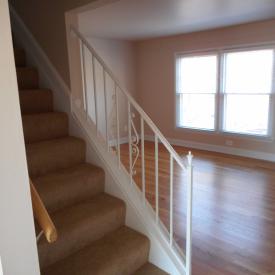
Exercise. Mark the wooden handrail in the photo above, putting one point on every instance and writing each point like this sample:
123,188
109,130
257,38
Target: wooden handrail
42,216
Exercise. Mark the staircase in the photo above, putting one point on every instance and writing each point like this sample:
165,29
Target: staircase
92,236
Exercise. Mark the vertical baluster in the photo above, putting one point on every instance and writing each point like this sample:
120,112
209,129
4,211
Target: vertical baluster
95,93
157,177
117,127
130,142
106,110
171,198
189,215
84,81
142,159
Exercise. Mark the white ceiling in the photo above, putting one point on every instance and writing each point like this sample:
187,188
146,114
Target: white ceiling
141,19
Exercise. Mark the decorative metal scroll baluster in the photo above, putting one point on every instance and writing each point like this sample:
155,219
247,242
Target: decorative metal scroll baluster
134,143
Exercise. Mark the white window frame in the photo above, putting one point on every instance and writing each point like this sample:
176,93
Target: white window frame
220,96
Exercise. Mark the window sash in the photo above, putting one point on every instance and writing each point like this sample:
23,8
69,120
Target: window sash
184,123
182,90
265,59
248,130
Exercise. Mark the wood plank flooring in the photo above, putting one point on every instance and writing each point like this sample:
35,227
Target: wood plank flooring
234,209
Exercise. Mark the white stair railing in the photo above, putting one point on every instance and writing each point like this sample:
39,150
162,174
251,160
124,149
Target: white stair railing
90,108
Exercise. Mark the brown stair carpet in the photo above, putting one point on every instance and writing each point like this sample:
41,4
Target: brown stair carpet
27,78
70,186
81,224
20,58
51,155
120,252
44,126
36,101
92,237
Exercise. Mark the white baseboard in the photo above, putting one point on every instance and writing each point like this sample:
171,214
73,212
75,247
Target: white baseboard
219,149
123,140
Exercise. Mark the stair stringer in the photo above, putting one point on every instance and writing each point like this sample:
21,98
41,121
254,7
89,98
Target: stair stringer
139,216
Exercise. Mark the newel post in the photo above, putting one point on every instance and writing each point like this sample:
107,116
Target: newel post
189,215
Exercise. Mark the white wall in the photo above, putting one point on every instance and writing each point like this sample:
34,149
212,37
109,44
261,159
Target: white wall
17,237
120,57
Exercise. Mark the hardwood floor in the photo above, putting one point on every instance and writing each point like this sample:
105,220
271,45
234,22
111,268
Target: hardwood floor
234,209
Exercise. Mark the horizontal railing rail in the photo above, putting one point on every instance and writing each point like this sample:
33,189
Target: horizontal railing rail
136,141
42,216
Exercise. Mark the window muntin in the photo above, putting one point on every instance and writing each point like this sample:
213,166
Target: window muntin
244,89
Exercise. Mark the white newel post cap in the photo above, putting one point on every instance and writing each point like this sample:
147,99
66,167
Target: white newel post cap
189,158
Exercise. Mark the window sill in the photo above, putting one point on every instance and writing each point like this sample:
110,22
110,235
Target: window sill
267,139
248,136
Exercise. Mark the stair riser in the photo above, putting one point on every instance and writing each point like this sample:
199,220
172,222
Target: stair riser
27,78
60,192
54,157
86,232
36,101
122,252
20,58
45,126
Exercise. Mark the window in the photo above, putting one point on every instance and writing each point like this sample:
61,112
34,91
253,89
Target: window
226,91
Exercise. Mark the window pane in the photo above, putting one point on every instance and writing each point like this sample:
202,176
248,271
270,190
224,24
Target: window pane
197,74
197,111
247,114
249,72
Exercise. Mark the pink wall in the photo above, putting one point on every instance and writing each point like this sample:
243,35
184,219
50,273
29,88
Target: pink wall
156,80
120,57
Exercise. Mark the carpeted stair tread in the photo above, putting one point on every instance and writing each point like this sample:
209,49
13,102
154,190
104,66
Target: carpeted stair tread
70,186
121,252
150,269
44,126
36,101
20,57
27,78
80,225
51,155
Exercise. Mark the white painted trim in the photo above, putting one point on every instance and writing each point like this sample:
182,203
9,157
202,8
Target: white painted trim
218,148
122,140
94,5
1,269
